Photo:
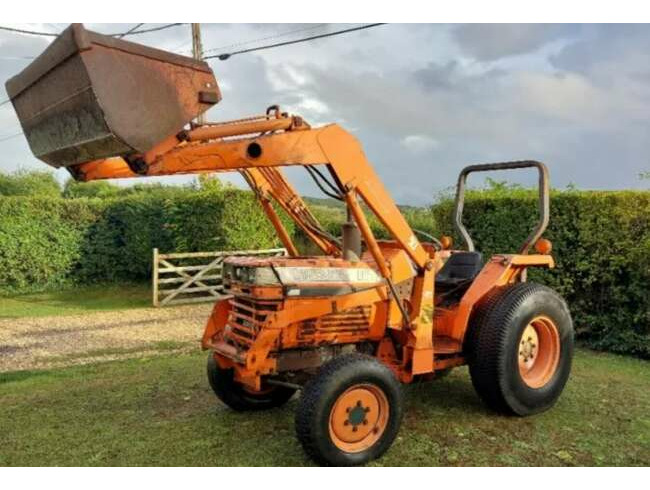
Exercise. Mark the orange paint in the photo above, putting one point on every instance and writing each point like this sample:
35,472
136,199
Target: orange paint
335,307
359,418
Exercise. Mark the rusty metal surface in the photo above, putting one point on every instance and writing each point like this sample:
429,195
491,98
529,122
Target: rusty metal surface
90,96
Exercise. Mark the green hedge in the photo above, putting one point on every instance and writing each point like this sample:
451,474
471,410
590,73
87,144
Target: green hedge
332,219
46,243
601,243
40,241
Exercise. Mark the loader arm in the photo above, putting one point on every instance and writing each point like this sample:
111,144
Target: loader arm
270,183
257,147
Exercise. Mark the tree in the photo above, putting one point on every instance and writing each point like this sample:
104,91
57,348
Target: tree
101,189
29,183
210,182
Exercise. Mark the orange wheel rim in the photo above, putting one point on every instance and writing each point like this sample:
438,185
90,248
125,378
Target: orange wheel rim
359,418
264,391
539,352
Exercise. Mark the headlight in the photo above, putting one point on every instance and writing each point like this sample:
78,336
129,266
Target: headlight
258,276
263,276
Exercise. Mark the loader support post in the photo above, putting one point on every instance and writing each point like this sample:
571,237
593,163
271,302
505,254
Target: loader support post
366,233
279,227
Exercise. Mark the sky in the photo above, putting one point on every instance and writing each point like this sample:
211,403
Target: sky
425,100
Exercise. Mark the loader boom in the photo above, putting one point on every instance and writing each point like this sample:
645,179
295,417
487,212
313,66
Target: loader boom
263,144
257,147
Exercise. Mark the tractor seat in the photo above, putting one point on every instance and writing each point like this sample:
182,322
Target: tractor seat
460,268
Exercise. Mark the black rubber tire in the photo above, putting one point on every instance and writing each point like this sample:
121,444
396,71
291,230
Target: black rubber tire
236,397
441,374
477,319
322,391
492,345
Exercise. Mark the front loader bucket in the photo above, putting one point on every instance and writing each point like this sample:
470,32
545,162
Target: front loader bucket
89,96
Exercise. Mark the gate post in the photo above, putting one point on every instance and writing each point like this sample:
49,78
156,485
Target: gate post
154,285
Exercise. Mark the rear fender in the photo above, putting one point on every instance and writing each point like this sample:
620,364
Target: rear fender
499,271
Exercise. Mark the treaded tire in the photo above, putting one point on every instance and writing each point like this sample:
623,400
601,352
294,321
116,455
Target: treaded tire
441,374
329,385
477,319
492,348
237,397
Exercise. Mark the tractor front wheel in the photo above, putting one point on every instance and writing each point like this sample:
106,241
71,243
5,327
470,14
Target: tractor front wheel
350,412
239,397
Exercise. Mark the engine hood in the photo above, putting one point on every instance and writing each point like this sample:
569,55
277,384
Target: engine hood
302,276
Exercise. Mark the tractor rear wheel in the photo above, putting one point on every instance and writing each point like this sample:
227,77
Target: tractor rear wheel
520,348
239,397
350,412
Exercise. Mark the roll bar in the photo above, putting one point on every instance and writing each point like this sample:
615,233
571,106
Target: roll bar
544,203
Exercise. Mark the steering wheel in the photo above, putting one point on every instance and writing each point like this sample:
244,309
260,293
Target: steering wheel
436,243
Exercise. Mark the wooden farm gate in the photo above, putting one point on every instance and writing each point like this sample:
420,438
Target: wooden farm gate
193,277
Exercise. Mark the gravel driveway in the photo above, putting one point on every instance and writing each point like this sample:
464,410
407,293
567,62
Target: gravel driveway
55,341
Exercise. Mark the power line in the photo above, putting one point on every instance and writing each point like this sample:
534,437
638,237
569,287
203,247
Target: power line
178,49
5,138
14,58
26,31
143,31
130,31
225,56
275,36
133,30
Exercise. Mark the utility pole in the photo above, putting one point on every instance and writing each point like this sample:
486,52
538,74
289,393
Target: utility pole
197,51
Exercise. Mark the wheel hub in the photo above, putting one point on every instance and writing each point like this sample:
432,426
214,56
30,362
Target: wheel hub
529,345
358,418
357,415
539,352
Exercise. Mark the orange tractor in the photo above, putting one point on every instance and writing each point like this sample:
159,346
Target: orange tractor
347,327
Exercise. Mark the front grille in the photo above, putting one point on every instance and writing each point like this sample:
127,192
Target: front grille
353,321
246,318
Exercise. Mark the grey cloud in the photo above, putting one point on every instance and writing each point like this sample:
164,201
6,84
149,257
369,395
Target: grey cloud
438,76
608,52
478,117
410,84
451,75
492,41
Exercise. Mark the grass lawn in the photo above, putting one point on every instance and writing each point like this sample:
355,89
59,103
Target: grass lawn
78,300
160,412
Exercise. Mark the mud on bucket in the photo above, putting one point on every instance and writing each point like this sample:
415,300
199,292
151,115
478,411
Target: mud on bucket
89,96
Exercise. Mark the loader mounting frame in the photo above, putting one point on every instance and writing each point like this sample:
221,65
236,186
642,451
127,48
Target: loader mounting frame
407,336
